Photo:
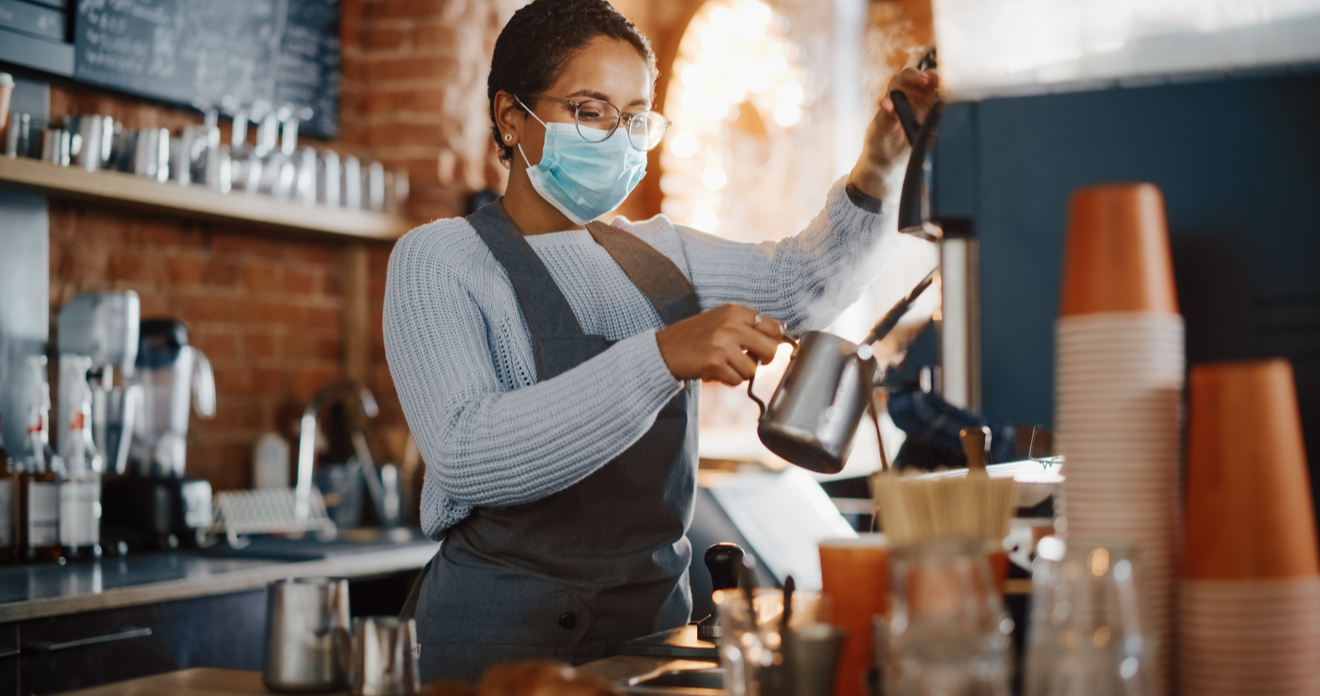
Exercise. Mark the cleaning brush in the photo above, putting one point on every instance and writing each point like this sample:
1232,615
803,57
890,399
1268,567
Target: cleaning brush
974,506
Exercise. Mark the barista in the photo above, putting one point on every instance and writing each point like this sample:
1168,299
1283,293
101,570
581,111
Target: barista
548,364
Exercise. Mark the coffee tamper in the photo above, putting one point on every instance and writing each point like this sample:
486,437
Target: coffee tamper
723,561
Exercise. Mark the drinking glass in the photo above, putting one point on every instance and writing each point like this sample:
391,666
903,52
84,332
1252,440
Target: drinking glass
948,633
1085,637
751,647
856,573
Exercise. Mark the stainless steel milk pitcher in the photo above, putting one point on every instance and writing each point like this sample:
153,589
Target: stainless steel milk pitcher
306,625
814,413
827,387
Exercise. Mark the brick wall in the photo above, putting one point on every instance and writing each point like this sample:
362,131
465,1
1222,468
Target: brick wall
414,93
267,307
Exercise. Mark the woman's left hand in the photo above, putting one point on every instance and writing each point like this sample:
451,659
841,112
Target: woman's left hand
885,142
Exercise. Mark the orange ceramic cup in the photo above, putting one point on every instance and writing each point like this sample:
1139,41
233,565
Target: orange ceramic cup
1117,257
855,574
1249,510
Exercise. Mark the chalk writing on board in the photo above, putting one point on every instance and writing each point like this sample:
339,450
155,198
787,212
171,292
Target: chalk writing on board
201,52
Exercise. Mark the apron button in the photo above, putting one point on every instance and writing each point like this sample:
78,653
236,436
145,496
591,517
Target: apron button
567,620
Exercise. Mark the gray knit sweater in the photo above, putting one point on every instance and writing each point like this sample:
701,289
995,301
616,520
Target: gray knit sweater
460,354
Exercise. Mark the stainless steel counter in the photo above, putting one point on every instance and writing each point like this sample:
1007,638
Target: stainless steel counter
38,591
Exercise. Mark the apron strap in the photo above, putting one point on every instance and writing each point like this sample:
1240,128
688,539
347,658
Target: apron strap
659,278
548,313
544,307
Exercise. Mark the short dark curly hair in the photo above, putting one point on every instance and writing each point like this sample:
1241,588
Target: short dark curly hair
533,47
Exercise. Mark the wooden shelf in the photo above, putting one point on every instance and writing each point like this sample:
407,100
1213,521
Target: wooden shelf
118,188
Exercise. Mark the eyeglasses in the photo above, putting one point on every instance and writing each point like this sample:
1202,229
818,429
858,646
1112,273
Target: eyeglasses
597,120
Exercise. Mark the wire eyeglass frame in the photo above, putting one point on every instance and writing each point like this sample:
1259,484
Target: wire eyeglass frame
642,138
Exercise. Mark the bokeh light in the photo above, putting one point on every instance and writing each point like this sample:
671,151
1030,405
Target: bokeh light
736,55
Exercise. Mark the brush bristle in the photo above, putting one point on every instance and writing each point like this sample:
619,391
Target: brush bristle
914,510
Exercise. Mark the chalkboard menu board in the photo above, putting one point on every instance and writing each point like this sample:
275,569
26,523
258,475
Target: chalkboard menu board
202,52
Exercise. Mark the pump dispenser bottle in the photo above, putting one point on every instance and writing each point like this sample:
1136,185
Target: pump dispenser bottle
38,485
80,480
8,503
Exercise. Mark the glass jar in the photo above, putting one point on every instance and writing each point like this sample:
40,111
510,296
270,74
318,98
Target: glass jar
948,633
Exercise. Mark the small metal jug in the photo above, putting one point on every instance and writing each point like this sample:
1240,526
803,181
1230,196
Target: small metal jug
813,415
383,659
306,624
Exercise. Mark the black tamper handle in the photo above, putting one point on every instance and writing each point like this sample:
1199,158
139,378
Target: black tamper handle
725,563
723,560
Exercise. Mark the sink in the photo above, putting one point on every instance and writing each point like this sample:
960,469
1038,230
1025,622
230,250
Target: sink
692,682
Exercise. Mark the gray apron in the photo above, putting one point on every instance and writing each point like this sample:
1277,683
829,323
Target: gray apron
570,575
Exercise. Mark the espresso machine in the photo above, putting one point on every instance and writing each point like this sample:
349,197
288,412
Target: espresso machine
155,506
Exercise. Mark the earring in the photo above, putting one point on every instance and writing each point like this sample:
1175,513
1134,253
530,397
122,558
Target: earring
508,138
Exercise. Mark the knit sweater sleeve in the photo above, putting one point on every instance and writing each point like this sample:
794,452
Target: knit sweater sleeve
485,444
805,280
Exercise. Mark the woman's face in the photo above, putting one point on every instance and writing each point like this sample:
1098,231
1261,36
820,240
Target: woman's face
604,69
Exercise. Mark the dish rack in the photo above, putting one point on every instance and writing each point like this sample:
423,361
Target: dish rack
266,511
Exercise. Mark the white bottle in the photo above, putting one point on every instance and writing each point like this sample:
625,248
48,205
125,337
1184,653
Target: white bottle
80,488
270,462
8,499
38,493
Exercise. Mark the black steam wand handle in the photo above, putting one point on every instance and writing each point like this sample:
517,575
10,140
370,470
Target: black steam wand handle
906,115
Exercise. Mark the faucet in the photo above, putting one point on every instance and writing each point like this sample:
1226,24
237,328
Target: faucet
307,438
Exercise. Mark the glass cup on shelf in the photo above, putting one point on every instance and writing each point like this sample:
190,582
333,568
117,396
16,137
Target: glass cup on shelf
1086,635
948,633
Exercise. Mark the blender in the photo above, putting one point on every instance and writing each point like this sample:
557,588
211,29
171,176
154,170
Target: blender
156,506
97,335
102,327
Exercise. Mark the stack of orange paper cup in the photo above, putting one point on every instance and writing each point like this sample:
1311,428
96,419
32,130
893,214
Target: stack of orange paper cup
1250,592
1119,375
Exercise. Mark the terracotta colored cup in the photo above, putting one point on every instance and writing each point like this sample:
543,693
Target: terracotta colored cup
1249,509
855,574
998,559
1118,258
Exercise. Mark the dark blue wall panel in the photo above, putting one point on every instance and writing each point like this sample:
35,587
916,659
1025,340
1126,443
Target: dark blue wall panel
1239,163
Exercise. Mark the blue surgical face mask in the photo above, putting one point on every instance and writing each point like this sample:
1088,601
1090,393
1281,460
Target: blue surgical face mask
581,179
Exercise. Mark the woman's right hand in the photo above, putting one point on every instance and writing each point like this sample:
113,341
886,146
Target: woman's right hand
720,345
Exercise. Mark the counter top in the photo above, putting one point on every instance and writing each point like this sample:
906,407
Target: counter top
622,670
206,681
38,591
201,681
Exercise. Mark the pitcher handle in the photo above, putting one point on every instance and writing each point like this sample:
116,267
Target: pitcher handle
757,399
790,340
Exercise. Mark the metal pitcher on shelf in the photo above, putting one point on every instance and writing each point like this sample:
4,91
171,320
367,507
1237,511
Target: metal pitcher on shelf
813,415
